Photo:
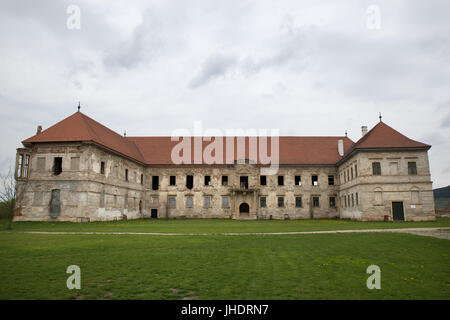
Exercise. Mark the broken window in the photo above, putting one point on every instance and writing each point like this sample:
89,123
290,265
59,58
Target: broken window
26,165
57,165
298,202
315,201
262,202
263,180
155,182
376,168
224,180
281,180
20,166
207,180
173,180
412,168
314,180
331,180
189,181
102,167
126,174
298,180
332,202
244,182
280,202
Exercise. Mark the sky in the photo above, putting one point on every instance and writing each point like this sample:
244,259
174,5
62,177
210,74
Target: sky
307,68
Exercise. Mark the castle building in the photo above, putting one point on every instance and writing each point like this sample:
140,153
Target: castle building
79,170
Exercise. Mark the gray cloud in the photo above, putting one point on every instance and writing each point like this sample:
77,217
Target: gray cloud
215,65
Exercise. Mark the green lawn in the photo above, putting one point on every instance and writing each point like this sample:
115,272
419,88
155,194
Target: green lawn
329,266
218,225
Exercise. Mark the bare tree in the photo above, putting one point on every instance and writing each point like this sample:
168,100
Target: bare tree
11,196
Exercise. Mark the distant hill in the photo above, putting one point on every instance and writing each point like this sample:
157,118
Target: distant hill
442,192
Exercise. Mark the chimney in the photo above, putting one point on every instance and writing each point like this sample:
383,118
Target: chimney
341,147
363,130
39,129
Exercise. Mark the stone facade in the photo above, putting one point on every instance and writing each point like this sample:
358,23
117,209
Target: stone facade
85,181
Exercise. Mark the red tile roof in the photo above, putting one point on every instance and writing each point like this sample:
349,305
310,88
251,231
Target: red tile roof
79,127
383,136
157,150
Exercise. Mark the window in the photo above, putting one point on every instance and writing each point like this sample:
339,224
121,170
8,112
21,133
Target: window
357,200
351,173
207,180
189,181
412,168
126,174
356,170
225,202
315,201
298,180
353,201
280,202
20,166
345,199
281,180
244,182
332,202
224,180
348,200
57,165
102,167
331,180
142,178
207,202
263,180
262,202
189,202
26,165
376,168
172,202
172,180
314,180
298,202
155,182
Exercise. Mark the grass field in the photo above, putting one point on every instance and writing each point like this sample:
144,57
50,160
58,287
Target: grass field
218,225
327,266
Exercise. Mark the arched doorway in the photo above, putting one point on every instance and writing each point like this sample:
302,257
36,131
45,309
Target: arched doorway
244,210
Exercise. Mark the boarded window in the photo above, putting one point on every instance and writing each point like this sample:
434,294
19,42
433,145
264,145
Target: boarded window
262,202
75,163
316,202
298,180
378,197
412,168
376,168
173,180
298,202
225,202
189,182
393,168
172,202
415,197
41,164
207,202
263,180
188,202
57,165
280,202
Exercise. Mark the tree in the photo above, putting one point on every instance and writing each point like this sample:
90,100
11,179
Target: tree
11,196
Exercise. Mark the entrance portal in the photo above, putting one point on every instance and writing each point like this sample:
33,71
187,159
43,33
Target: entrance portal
244,210
154,213
397,211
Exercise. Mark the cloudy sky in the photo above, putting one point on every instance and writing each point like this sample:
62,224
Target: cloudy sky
303,67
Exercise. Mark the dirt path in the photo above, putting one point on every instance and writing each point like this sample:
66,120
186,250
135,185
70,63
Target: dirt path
438,232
